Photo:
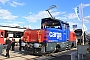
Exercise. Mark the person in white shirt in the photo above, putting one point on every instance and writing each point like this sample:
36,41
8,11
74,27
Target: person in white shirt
23,43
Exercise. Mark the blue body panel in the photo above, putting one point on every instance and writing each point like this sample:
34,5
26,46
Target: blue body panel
64,34
68,33
56,35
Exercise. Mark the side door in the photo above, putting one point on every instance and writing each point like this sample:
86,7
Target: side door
2,34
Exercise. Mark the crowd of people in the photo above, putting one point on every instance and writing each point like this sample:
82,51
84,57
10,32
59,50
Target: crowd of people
11,45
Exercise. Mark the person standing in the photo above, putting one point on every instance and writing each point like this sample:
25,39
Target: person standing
89,42
20,41
13,44
8,43
23,43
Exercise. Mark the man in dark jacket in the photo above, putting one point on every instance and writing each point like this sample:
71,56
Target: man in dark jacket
20,41
8,43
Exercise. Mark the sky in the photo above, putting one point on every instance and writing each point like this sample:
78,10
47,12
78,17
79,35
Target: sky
28,13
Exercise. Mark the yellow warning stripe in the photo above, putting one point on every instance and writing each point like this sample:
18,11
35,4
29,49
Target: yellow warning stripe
39,36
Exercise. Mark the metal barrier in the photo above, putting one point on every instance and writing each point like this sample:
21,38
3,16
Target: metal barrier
2,47
74,55
82,51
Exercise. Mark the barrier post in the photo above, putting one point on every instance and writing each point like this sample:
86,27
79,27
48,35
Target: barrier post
73,55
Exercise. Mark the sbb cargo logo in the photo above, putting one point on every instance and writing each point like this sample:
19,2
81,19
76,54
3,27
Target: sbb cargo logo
55,34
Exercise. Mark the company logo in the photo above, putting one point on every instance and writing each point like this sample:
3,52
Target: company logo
55,34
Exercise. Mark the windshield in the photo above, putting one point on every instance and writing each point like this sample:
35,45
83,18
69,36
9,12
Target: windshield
50,23
78,32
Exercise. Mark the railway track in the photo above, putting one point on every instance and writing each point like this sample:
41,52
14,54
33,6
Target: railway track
54,55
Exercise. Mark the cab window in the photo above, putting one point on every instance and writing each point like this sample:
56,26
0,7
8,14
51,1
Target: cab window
2,34
50,23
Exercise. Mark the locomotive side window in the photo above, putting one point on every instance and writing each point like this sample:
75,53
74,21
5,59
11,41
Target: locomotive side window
18,34
65,25
2,34
14,34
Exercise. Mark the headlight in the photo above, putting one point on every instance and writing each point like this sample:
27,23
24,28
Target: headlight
37,45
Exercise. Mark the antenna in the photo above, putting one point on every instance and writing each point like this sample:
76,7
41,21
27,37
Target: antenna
51,7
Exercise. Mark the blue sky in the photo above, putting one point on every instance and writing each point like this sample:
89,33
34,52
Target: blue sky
30,12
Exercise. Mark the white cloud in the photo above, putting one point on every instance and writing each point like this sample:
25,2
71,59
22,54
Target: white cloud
12,3
5,14
56,13
61,18
13,25
19,22
32,27
8,24
35,17
86,5
35,27
42,14
87,19
74,23
71,16
28,26
30,13
3,1
15,4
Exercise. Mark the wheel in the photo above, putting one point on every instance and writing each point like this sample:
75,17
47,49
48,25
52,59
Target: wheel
58,48
72,45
